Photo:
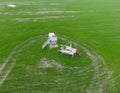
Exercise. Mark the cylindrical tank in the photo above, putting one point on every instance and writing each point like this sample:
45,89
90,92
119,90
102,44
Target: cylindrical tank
52,37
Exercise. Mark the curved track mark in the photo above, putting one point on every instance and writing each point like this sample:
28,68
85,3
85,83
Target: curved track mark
102,77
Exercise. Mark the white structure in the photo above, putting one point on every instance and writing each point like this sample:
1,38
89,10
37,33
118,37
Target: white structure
52,41
12,5
68,50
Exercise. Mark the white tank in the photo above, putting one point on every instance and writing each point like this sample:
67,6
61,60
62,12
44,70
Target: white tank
52,37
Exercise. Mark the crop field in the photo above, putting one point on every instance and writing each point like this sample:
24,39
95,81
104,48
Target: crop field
91,26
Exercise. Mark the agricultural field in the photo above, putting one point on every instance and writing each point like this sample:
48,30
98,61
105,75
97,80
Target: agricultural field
92,26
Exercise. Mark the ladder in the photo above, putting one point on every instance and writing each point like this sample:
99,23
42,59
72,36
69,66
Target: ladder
45,44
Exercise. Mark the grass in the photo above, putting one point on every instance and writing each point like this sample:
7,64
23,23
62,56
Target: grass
94,24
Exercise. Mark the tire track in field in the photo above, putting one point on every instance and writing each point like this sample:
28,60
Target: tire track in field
103,76
102,80
16,51
7,72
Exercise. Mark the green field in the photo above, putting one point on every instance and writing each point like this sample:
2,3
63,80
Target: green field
92,26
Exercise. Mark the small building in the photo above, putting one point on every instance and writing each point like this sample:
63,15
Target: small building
52,41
